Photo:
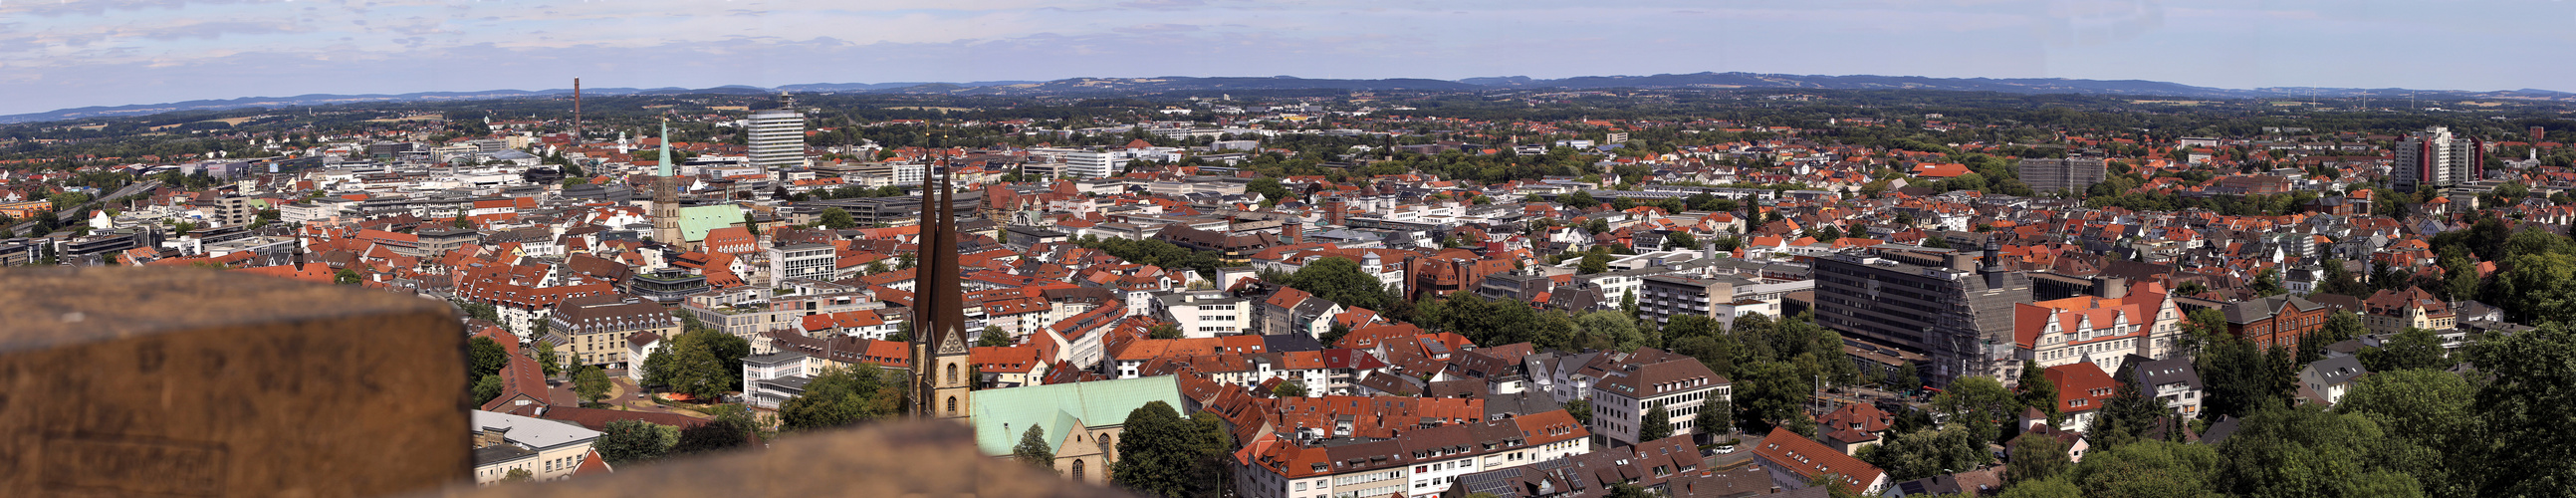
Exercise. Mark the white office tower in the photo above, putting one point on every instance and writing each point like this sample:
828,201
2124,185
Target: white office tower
777,140
2433,159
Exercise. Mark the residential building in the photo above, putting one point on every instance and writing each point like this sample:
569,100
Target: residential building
1936,303
1632,388
592,330
1417,463
805,261
2326,381
2394,311
1205,314
770,379
2082,389
548,450
747,311
2436,159
2173,380
1795,461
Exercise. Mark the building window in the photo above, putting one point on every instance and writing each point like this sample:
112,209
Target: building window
952,376
952,405
1077,470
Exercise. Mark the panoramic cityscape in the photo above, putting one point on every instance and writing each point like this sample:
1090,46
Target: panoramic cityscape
2078,280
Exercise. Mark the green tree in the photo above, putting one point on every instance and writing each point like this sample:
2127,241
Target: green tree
623,441
1289,390
1907,373
1593,263
1340,280
2035,458
1034,449
591,383
487,357
1681,240
518,475
1702,338
2438,440
701,363
1607,329
2130,414
837,219
1768,394
2037,392
1716,417
2237,377
1980,404
840,396
547,359
732,427
2525,408
1581,410
346,277
2150,469
993,336
2046,488
2305,451
1926,453
1164,331
487,388
1162,454
2413,349
1655,423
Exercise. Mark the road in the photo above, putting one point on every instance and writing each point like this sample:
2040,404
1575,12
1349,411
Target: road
65,215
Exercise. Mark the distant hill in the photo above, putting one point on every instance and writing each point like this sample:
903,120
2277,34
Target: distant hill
1072,86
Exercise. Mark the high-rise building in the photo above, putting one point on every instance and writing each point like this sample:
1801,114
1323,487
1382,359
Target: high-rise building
2073,174
1941,304
2539,134
777,140
2434,159
942,378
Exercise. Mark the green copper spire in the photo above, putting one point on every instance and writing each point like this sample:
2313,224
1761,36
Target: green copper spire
666,149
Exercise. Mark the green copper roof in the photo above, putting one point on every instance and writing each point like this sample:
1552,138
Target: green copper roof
695,222
1003,415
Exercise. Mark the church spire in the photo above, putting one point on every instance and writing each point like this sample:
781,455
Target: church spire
943,377
665,169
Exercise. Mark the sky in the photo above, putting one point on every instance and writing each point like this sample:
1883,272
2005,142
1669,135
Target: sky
71,53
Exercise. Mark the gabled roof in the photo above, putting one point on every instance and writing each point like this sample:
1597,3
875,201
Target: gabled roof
1002,416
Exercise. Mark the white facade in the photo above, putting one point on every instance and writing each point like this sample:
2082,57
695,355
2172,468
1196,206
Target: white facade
808,261
1079,163
1616,416
1205,315
777,139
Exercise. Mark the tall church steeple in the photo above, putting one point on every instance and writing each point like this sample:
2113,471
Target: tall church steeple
943,378
666,198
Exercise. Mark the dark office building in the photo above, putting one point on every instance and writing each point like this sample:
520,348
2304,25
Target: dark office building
1940,304
2073,174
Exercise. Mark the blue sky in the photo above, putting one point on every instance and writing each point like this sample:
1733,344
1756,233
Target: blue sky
70,53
